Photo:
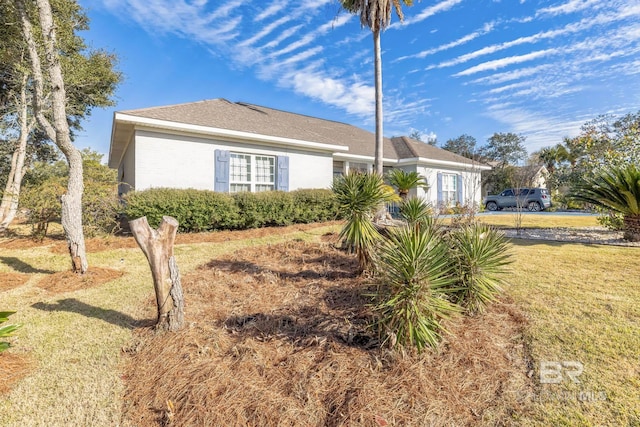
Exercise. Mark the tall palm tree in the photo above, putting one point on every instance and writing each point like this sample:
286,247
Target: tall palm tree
405,181
376,14
618,189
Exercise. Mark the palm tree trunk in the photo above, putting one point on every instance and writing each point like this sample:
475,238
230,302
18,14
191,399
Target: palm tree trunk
378,93
631,227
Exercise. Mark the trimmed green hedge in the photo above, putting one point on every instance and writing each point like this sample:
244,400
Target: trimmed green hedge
202,210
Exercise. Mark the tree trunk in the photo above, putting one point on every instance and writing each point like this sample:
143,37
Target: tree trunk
58,131
378,167
11,196
157,246
631,227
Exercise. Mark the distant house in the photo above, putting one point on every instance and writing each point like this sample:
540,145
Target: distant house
534,176
231,147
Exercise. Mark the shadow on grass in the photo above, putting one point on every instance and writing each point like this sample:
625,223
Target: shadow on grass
21,266
518,241
331,266
114,317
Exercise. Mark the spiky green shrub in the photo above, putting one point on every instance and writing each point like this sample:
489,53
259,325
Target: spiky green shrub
359,196
616,189
480,254
414,275
416,211
7,330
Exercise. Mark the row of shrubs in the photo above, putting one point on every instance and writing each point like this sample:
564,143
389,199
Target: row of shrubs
202,210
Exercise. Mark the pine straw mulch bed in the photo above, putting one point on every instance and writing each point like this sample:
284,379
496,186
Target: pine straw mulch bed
9,280
99,244
277,336
68,281
13,367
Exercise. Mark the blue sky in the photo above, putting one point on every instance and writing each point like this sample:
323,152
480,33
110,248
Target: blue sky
540,68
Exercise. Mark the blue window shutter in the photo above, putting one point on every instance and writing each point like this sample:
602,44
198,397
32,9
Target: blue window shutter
439,187
282,175
221,183
459,187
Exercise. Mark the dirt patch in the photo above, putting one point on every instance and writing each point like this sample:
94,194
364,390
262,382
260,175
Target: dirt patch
12,280
67,281
278,335
13,367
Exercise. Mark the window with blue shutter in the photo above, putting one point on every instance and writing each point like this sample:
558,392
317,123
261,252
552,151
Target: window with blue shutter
460,191
221,173
439,187
282,176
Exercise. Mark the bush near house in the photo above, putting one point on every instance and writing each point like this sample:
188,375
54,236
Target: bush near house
203,210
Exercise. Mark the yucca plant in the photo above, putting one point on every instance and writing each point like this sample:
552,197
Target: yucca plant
617,189
405,181
480,254
417,212
359,196
7,330
414,277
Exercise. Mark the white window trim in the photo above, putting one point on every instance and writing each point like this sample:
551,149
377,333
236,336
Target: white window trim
253,171
449,195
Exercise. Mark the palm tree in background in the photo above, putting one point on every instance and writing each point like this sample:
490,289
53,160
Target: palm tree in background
376,15
406,181
617,189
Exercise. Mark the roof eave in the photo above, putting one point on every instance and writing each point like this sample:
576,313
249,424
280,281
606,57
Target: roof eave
224,133
426,161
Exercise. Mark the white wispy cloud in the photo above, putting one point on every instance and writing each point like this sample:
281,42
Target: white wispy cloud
443,6
189,20
505,62
267,30
540,129
271,10
507,76
572,28
355,98
569,7
462,40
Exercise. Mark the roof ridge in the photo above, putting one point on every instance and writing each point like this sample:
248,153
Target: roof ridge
249,104
158,107
407,143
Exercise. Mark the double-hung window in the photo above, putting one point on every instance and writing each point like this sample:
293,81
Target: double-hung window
449,188
249,172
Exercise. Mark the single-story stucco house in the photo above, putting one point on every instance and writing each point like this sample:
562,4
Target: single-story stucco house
232,146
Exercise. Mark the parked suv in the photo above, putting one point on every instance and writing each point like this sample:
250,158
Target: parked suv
534,199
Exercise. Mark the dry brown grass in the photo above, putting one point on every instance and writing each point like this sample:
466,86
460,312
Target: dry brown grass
67,281
278,336
13,367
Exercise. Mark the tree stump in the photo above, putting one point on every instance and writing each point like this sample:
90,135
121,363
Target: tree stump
157,245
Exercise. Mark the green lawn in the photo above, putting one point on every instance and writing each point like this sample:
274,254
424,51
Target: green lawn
581,300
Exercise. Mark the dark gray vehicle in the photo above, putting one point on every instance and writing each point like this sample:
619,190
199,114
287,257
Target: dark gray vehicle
534,199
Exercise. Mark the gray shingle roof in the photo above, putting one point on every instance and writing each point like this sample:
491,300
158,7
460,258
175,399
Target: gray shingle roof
239,116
